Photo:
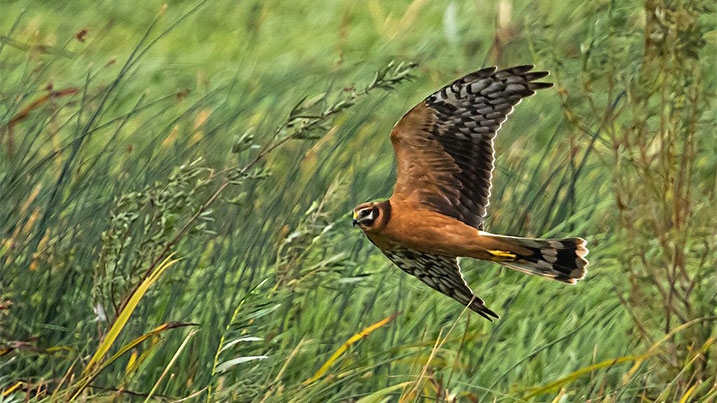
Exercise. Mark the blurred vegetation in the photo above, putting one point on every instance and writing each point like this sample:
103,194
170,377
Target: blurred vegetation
176,181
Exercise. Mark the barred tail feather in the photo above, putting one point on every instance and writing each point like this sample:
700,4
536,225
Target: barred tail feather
559,259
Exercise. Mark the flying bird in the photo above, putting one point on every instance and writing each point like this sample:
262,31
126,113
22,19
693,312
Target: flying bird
445,157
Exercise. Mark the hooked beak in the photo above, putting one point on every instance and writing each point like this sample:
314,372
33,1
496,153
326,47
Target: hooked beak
355,222
355,218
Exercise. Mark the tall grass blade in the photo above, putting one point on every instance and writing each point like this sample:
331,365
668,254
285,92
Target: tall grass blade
348,343
381,394
95,365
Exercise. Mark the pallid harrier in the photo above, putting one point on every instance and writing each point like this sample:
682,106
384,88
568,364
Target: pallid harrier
444,149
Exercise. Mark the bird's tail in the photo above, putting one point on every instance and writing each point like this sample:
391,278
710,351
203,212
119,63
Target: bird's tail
559,259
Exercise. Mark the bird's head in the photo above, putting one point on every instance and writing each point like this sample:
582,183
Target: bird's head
372,216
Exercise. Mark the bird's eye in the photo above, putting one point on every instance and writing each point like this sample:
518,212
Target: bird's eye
364,213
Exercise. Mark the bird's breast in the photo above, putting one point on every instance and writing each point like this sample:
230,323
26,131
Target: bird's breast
426,231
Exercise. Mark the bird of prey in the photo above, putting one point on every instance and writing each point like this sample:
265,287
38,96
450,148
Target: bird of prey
445,158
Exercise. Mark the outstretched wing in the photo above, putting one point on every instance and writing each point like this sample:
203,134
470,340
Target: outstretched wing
444,145
440,273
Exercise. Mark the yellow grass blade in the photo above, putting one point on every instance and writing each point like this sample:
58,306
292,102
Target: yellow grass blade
134,343
131,363
688,394
353,339
170,365
123,317
13,388
638,359
93,367
554,386
668,336
379,395
124,349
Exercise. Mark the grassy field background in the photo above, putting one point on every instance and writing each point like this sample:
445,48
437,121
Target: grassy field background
176,181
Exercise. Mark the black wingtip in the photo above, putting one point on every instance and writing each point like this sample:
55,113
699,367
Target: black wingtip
526,72
534,75
539,85
484,311
486,70
523,68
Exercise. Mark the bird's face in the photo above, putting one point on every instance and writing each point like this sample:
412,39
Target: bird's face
365,215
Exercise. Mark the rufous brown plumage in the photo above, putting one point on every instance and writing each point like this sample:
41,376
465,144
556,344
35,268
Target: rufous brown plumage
445,156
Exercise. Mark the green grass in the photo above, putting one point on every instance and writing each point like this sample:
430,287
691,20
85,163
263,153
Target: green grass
130,133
